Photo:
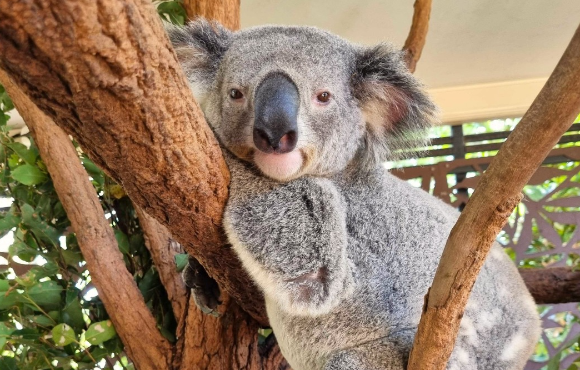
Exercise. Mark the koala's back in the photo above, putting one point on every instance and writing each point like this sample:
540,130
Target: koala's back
396,234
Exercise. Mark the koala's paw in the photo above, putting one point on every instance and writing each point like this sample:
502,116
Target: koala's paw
205,290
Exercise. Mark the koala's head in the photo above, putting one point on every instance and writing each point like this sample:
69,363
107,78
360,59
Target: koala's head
299,101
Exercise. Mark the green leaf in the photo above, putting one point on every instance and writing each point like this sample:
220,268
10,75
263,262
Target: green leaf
10,220
22,251
100,332
149,284
8,363
91,167
13,161
554,363
38,226
41,320
7,300
5,100
137,243
29,175
93,171
5,332
48,269
28,155
46,294
62,334
181,261
25,334
72,313
122,241
172,11
72,258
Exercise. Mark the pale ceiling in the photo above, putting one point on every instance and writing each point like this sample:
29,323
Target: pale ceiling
469,42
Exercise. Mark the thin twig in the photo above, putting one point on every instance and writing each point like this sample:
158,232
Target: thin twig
418,33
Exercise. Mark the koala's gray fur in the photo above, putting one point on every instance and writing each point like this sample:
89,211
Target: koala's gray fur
343,251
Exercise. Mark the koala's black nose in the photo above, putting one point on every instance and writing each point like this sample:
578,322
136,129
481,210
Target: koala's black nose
276,105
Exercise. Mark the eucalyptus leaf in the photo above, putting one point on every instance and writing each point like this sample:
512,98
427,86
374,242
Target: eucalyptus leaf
29,175
28,155
100,332
22,251
9,297
180,261
8,363
42,320
10,220
72,313
5,332
62,334
122,241
38,226
13,161
149,283
46,294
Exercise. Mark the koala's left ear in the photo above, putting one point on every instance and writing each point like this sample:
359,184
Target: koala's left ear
200,46
396,109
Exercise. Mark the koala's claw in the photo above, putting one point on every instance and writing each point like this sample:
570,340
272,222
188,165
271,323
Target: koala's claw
205,290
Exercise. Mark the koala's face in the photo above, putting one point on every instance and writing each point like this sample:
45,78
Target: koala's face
299,101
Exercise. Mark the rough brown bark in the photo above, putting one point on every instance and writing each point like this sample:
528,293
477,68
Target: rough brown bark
163,251
553,285
117,289
227,12
105,72
418,33
227,342
550,115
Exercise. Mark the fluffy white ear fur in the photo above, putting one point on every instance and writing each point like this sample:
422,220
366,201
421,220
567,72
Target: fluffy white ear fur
388,107
396,109
199,47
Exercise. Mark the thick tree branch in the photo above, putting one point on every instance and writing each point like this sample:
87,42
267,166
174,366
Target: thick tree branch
550,115
204,346
418,33
117,289
227,12
553,285
105,72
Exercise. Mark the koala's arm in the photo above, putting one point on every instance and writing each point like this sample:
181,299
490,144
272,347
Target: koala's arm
291,236
384,354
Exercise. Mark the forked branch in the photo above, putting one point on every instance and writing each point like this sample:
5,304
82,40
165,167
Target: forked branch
106,73
499,190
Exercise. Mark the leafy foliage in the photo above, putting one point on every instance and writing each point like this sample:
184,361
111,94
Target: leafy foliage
51,316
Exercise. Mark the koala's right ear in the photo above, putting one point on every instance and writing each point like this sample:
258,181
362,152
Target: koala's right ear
200,46
396,109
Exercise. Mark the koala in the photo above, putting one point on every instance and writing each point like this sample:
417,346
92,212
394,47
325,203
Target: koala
342,250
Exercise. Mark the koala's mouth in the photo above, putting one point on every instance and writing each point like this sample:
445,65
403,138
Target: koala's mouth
280,166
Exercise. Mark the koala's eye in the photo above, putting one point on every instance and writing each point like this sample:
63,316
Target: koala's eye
323,97
236,94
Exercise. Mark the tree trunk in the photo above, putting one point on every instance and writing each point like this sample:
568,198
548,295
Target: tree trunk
227,12
106,73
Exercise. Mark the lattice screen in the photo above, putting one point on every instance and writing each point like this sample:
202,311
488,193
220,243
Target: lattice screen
543,231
